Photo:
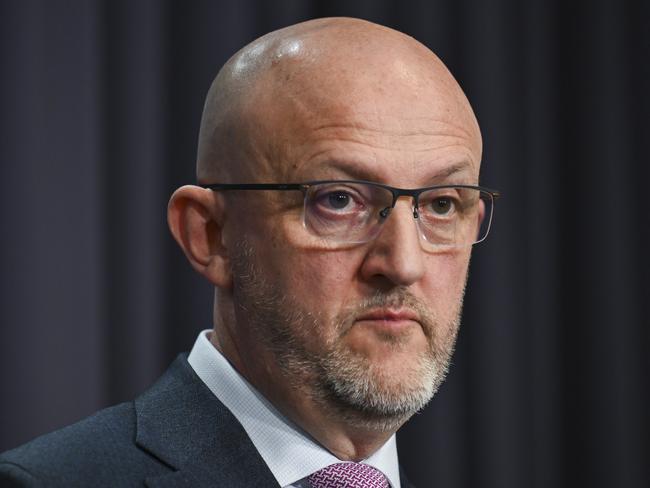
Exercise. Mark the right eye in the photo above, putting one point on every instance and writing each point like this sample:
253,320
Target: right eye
337,200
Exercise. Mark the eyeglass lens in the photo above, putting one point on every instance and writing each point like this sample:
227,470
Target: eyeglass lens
353,212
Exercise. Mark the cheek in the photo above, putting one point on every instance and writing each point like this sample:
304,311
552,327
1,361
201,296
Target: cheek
319,282
316,280
324,283
445,280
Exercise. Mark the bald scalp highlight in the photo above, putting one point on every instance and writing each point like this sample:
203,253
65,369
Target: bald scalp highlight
321,59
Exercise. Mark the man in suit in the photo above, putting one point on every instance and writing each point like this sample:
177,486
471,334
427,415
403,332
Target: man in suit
335,214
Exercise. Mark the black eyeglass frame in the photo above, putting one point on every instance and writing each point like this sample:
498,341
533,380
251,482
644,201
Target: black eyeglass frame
414,193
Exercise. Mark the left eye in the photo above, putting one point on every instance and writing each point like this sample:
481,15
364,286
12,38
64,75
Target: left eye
442,205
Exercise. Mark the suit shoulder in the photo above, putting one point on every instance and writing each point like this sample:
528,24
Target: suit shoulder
90,449
99,431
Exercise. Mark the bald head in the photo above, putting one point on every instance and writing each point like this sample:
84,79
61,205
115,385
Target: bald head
317,72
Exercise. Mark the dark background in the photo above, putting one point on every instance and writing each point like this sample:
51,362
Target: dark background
99,113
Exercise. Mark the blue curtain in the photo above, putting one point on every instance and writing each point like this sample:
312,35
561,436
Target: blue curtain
100,107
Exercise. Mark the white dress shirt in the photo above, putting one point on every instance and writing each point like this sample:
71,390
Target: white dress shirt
291,454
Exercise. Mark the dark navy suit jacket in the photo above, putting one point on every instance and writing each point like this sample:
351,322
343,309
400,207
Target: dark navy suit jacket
177,434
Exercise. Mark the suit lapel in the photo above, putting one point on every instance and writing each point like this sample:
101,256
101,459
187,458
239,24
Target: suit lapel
404,480
181,423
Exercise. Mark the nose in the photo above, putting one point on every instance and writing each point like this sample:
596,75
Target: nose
396,256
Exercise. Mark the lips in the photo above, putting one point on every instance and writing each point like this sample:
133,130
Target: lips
389,322
390,315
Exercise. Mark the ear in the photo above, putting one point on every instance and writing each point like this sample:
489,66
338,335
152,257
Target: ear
196,216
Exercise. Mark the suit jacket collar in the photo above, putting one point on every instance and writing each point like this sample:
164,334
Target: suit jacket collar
181,423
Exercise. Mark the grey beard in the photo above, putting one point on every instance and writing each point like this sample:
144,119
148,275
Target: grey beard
358,392
347,385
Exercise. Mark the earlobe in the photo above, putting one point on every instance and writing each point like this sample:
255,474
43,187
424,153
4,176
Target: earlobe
195,216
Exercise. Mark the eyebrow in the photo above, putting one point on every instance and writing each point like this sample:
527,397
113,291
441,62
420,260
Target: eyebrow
356,171
452,170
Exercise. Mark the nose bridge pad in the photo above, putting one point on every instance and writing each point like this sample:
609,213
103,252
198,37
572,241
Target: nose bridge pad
416,207
385,212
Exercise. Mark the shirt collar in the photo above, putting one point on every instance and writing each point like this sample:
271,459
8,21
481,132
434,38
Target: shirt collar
289,452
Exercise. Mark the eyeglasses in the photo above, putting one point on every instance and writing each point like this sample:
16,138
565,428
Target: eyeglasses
345,212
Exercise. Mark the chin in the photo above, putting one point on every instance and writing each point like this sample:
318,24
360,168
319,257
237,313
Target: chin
380,394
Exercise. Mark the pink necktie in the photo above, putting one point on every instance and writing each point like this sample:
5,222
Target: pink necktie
348,475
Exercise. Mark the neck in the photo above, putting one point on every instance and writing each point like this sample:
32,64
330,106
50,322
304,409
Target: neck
339,434
346,434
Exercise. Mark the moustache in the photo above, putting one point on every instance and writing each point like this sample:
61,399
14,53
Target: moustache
399,299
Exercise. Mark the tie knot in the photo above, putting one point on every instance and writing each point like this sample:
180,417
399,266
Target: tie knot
348,475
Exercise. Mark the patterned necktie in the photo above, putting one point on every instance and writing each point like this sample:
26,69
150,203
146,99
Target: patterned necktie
348,475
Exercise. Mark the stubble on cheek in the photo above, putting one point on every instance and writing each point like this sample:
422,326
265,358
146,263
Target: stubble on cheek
382,394
312,352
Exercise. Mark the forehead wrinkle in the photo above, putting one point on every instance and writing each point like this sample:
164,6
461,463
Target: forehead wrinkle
356,168
386,134
386,145
415,141
399,121
407,125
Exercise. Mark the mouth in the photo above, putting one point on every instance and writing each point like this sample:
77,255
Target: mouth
389,320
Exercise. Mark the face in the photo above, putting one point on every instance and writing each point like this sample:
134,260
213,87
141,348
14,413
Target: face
366,330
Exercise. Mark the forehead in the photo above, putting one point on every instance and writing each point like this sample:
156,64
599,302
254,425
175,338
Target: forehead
403,119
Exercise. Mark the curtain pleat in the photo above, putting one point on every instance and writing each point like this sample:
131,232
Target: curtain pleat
100,109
